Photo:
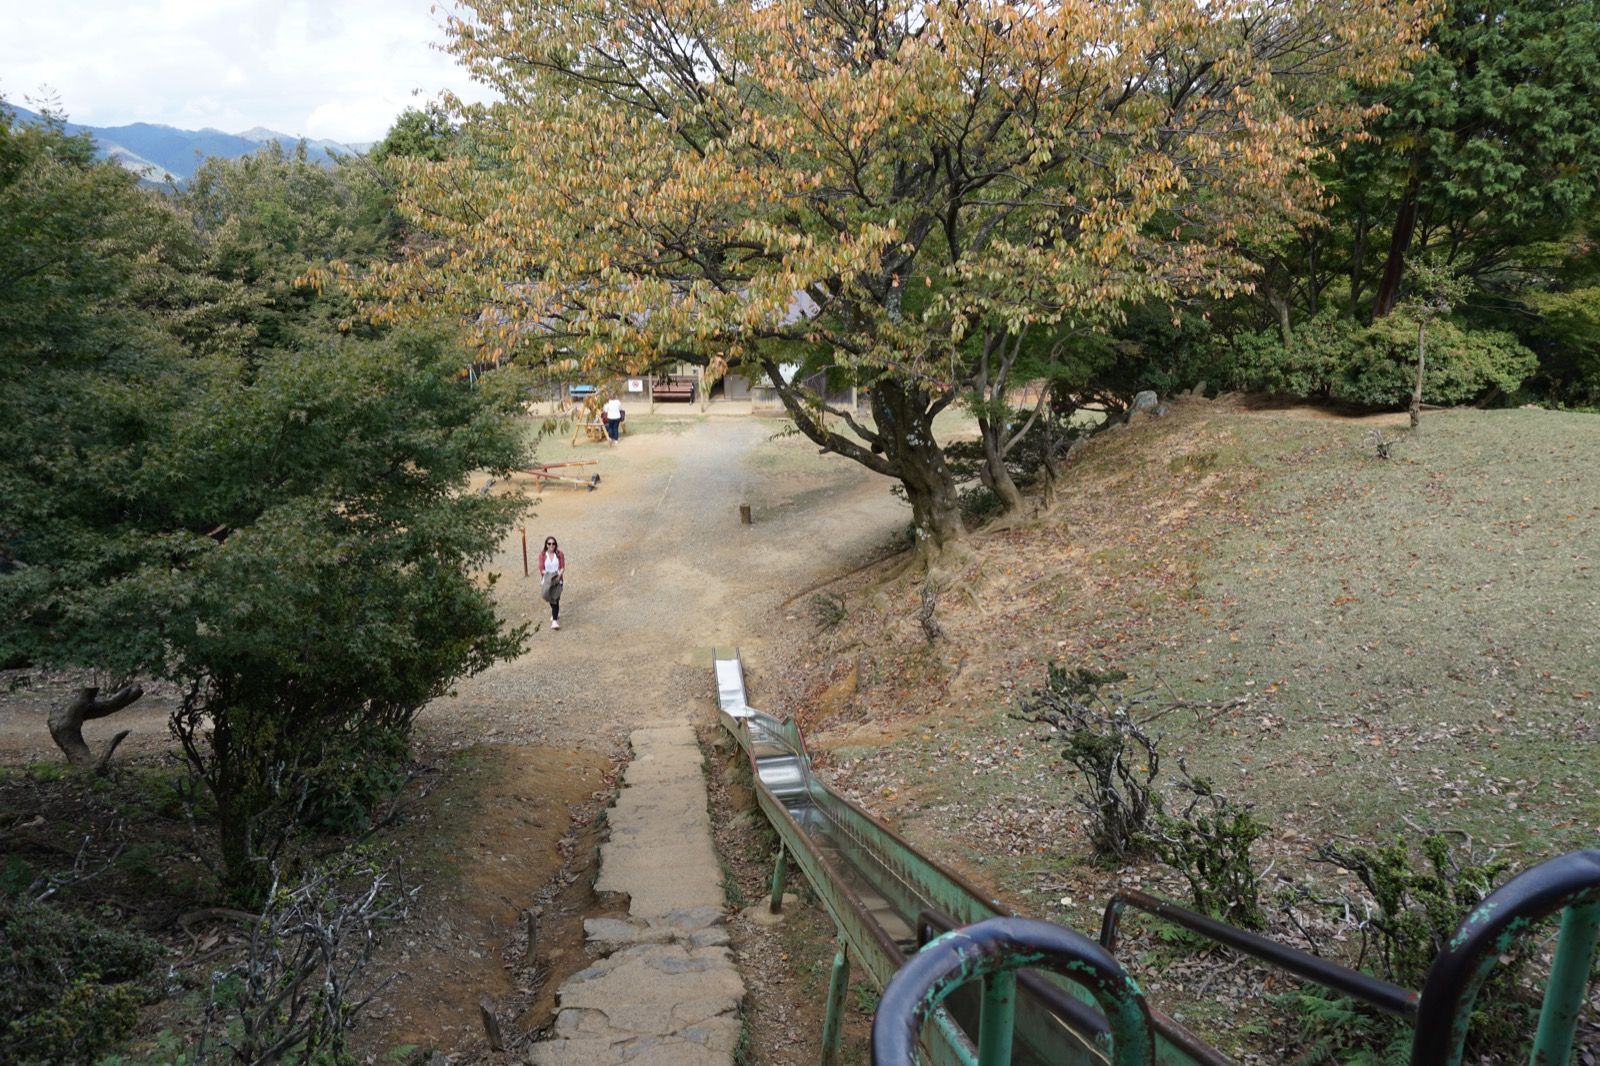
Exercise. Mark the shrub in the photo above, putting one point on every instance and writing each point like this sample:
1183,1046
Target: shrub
1337,1029
88,1018
1116,759
828,609
1463,364
1566,333
66,983
1209,842
1419,908
303,980
1334,358
356,775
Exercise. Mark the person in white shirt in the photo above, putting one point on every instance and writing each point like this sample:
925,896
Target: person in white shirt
613,416
552,577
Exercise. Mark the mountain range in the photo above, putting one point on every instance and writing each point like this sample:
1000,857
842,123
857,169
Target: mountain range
165,153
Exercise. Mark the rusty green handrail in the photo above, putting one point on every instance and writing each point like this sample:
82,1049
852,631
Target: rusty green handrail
996,949
905,888
1569,885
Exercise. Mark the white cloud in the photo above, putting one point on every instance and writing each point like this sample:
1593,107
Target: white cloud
341,69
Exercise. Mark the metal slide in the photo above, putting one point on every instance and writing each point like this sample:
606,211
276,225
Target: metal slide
886,898
1047,992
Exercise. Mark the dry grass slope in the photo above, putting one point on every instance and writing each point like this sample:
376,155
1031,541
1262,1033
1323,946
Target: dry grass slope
1357,646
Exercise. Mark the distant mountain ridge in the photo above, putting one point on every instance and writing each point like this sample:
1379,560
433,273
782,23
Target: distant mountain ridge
161,153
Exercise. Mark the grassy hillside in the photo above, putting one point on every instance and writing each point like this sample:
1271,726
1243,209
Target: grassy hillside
1357,646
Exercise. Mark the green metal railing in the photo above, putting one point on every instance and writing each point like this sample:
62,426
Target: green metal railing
990,989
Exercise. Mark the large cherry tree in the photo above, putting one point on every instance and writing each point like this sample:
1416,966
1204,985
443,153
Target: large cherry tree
892,191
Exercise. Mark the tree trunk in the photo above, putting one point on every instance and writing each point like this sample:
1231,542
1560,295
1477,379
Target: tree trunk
1285,328
996,477
1416,391
1358,256
1314,282
901,445
66,724
905,421
1405,224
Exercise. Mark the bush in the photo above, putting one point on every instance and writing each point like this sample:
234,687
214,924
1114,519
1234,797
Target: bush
1420,906
1463,365
1116,760
303,980
1337,1029
354,778
67,984
1209,842
1566,334
1333,358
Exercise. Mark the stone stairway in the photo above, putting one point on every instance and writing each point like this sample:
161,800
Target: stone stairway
667,992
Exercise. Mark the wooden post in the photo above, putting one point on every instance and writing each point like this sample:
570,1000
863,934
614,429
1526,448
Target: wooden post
524,551
744,514
700,386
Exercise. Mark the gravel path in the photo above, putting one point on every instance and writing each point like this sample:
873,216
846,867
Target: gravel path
660,571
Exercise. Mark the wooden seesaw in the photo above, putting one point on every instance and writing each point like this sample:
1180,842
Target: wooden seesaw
540,472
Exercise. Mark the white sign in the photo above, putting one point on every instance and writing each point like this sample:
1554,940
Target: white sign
636,384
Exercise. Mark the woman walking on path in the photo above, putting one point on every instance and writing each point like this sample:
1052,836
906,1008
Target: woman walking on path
552,575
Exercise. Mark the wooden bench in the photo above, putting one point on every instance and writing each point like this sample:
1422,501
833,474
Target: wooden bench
677,387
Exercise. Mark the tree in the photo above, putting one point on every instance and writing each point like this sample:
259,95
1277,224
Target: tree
280,531
269,217
1498,135
338,596
101,287
423,133
858,189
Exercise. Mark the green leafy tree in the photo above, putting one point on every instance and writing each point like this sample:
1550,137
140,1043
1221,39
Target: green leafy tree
419,133
281,531
1496,133
851,191
269,218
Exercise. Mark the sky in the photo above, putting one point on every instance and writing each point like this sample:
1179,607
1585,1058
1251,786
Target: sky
339,69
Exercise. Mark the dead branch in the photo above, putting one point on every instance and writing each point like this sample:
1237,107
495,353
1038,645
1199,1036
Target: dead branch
66,724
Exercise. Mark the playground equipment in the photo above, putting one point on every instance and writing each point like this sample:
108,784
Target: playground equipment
541,472
588,422
965,983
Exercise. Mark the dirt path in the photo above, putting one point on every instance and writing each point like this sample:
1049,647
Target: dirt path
660,571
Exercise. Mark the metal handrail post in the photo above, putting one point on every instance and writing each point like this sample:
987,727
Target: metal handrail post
1568,987
1489,932
833,1022
997,1021
780,879
1005,945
